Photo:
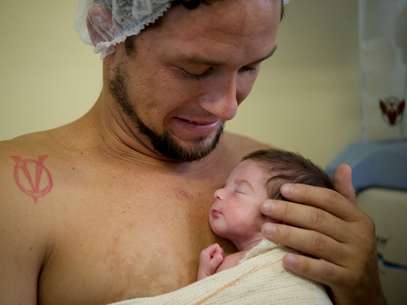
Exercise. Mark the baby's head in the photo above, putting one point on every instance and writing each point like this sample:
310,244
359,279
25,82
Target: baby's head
235,214
282,167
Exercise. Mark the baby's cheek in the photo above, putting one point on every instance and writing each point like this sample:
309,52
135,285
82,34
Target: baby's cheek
247,224
239,218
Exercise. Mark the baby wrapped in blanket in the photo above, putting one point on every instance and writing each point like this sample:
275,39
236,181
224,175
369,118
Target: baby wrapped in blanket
254,274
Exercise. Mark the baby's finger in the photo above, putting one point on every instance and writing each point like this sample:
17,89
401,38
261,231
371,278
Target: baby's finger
215,262
209,251
219,250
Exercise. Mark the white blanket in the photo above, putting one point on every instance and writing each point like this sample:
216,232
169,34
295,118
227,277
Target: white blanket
259,279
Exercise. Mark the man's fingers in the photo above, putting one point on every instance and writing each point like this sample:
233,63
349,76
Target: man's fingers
314,269
306,217
323,198
305,241
343,182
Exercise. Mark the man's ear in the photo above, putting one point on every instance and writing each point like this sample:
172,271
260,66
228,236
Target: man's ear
100,24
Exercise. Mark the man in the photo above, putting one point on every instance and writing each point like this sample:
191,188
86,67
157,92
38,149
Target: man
114,205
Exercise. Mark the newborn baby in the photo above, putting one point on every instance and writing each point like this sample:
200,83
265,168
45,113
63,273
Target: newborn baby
258,277
235,215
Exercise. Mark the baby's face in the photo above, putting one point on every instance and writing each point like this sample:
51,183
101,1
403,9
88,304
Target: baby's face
235,214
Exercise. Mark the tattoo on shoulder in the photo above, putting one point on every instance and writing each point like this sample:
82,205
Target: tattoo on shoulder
32,176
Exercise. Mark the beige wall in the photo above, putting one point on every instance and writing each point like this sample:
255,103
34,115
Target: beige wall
305,100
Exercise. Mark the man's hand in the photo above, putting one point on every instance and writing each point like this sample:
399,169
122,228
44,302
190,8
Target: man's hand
210,260
336,238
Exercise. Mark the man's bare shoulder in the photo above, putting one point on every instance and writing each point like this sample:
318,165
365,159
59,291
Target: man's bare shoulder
12,149
23,179
242,145
52,143
31,142
18,168
24,233
24,147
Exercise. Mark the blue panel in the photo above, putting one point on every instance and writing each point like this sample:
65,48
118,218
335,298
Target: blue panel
376,164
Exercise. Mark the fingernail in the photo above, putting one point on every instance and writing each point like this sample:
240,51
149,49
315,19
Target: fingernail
287,188
268,206
269,229
290,260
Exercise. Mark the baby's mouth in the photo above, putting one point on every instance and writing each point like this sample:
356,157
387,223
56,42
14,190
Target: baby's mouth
216,213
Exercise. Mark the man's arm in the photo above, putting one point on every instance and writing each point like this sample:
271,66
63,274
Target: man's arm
21,249
338,239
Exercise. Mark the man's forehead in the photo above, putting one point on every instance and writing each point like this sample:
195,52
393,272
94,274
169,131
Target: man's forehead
237,16
207,33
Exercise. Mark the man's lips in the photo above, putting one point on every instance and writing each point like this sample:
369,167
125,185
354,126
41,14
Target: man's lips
191,129
199,122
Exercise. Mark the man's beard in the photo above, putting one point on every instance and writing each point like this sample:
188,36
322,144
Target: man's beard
164,144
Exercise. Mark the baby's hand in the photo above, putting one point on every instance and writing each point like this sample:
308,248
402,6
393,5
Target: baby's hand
210,260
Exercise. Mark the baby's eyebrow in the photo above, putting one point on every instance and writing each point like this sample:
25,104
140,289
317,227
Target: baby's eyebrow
243,181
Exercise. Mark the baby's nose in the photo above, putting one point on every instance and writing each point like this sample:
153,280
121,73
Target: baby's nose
218,194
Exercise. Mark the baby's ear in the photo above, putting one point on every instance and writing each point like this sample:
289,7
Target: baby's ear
100,24
277,196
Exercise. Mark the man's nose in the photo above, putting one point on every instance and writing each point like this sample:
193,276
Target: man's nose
221,99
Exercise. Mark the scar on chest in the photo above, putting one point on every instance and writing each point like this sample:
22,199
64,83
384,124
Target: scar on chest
183,194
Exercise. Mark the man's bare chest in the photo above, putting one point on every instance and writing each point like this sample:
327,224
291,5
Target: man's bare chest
122,242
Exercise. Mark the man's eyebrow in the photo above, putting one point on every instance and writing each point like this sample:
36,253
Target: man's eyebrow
208,62
265,57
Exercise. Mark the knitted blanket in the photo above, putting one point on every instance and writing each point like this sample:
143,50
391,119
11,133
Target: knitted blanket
259,279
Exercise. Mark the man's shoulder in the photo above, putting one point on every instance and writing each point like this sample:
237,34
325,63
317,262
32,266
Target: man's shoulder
17,159
242,145
24,235
25,146
28,143
30,146
21,175
22,171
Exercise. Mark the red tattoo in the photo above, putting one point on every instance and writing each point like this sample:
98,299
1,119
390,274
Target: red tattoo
32,177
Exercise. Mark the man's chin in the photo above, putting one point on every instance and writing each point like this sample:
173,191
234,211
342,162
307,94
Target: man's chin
198,149
195,144
173,147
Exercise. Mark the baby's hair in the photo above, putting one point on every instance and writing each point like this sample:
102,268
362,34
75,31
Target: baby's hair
288,167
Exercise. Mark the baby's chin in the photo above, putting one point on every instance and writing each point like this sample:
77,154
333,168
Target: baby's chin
222,235
237,240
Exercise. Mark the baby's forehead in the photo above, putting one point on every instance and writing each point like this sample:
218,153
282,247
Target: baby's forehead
247,166
249,170
262,174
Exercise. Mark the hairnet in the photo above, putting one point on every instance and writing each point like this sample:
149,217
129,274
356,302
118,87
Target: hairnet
112,21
